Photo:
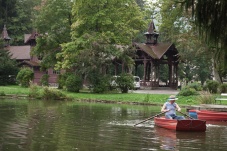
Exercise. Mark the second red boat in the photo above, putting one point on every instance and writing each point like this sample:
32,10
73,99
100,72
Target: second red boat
208,115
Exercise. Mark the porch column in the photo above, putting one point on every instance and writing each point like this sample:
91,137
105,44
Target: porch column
115,68
145,70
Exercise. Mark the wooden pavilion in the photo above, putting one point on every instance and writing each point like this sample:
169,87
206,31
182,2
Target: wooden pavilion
151,55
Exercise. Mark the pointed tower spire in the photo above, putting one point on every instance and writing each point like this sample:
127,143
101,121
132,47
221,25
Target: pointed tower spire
152,36
5,36
151,27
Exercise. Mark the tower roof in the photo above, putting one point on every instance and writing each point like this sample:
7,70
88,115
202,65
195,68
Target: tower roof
5,34
151,27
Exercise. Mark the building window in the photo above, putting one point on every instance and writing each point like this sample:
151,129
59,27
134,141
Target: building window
56,71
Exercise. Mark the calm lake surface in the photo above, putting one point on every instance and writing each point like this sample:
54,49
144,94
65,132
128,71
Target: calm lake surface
71,126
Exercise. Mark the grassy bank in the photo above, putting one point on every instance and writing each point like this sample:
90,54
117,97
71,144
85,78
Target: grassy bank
17,90
112,97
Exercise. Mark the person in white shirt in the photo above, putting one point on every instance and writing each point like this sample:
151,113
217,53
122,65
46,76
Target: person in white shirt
170,108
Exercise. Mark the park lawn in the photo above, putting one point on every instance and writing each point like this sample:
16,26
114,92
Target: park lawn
17,90
118,97
134,97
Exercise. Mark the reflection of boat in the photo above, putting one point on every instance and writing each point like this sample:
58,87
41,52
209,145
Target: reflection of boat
170,140
178,134
181,125
209,115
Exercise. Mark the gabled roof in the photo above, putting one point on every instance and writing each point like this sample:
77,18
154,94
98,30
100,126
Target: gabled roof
28,37
155,51
20,52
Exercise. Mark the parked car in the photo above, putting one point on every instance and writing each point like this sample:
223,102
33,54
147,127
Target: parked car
136,82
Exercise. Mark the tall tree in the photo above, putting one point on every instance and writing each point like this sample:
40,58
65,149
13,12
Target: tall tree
210,18
98,28
7,10
53,23
8,66
18,16
178,27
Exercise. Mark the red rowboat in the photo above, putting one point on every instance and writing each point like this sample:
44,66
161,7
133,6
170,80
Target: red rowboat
210,115
181,125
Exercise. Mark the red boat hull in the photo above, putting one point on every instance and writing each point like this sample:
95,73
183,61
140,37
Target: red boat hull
210,115
181,125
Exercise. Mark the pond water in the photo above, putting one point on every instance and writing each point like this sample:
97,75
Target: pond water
72,126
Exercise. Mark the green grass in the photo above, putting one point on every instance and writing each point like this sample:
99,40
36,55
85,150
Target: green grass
133,97
118,97
14,90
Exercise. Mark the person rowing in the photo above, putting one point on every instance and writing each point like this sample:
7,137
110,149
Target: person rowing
170,108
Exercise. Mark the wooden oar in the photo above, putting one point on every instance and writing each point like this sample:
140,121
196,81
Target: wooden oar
150,118
185,114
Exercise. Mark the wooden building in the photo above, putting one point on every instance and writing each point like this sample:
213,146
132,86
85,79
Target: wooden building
151,55
23,56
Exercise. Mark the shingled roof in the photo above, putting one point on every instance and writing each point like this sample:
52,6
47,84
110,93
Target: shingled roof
20,52
155,51
29,37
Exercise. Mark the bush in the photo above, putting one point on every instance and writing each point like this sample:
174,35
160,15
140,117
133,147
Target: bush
125,82
102,84
187,91
44,80
52,94
206,98
62,79
35,91
223,88
98,82
211,86
24,77
197,86
74,83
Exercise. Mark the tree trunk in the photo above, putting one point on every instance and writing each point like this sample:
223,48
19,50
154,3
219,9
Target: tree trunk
215,72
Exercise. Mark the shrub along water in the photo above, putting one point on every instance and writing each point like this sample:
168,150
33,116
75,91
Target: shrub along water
74,83
46,93
35,91
206,98
52,94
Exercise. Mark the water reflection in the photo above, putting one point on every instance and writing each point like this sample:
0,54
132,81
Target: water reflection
68,126
172,140
167,138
